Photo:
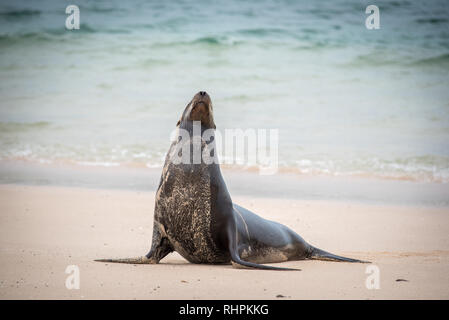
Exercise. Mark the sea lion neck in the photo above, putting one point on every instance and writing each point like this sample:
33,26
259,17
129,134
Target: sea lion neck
195,128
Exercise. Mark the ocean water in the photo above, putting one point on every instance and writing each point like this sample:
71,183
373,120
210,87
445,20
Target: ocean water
346,100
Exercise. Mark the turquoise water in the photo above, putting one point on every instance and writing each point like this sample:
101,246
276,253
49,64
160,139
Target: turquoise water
346,100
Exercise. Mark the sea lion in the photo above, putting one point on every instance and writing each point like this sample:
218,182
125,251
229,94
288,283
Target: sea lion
194,214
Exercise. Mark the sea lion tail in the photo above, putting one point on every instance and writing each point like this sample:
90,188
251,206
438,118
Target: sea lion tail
137,260
318,254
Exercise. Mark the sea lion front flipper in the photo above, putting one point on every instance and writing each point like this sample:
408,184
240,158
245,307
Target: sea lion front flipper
160,247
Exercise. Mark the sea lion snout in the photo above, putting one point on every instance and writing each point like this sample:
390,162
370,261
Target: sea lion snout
199,109
202,97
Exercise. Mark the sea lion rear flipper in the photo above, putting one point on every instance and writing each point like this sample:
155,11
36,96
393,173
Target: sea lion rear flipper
318,254
235,257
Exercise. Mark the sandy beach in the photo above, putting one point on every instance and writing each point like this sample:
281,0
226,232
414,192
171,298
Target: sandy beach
344,109
44,229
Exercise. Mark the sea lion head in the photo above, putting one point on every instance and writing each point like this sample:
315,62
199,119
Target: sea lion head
199,109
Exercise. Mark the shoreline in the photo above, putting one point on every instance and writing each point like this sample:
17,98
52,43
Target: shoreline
366,190
44,229
253,169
